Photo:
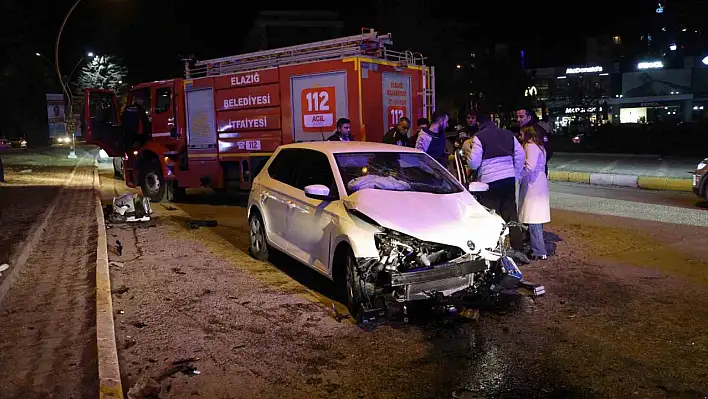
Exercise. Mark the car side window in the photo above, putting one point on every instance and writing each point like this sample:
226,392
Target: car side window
283,167
314,168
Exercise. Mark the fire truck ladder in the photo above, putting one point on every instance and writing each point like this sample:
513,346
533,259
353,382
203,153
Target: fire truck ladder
367,43
428,91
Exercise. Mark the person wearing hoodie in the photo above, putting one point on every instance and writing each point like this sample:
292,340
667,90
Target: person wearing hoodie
432,140
499,160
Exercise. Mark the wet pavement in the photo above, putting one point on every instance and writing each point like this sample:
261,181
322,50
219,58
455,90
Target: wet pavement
625,314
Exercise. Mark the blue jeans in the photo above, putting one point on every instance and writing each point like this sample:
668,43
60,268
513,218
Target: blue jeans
538,246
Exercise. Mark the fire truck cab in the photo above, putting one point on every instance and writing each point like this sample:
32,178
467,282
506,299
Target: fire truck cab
217,126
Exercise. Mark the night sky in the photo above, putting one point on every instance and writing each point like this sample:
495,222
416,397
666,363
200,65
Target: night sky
149,34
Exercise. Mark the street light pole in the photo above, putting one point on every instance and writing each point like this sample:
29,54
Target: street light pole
72,153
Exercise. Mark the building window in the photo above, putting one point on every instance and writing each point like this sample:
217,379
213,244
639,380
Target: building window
162,100
616,40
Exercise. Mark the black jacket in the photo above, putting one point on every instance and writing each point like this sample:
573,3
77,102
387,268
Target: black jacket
393,136
338,136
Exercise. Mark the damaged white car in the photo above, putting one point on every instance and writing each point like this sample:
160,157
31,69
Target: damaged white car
388,224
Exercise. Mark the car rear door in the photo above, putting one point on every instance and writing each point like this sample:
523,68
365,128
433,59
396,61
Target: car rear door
102,121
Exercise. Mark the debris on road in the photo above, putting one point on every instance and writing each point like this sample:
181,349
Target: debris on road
128,208
117,249
471,314
338,316
187,360
169,208
4,267
145,388
116,264
194,224
26,171
178,270
186,368
121,290
139,324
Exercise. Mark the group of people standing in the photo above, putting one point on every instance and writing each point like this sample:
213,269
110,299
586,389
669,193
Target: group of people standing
502,161
496,157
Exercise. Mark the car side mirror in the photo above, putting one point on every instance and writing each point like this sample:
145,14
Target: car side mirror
478,187
319,192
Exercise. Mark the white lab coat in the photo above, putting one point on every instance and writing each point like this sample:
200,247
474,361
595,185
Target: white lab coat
534,199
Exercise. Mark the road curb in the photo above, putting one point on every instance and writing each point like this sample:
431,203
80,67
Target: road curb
110,386
607,179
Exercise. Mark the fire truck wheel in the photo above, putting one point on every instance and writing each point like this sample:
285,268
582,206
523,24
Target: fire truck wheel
152,183
259,248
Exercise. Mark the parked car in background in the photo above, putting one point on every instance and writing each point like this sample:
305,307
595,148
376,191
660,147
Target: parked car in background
62,140
18,142
4,143
387,223
700,179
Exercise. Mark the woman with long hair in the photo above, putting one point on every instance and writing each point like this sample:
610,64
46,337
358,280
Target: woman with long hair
534,199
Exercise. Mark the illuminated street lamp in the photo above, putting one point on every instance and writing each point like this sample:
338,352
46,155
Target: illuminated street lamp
72,152
705,60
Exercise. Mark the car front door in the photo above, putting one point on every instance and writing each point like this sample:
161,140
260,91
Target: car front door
311,221
276,196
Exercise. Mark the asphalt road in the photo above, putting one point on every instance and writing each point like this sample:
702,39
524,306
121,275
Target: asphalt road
625,314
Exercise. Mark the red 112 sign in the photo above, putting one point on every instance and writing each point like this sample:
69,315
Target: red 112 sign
319,107
395,113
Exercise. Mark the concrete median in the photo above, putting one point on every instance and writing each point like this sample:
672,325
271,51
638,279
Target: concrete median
608,179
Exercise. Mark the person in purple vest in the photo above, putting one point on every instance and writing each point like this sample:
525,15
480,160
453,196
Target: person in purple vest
499,160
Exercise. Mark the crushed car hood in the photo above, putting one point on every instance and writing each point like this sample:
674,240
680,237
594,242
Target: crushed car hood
451,219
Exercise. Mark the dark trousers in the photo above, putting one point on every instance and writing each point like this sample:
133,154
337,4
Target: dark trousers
502,198
2,171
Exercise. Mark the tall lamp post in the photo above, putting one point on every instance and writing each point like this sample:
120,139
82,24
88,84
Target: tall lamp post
72,152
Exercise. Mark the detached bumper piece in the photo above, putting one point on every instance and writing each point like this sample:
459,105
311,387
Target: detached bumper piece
446,279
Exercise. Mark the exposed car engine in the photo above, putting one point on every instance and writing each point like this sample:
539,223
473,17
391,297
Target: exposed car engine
402,253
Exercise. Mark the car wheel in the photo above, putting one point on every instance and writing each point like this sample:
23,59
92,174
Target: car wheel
152,182
258,247
353,292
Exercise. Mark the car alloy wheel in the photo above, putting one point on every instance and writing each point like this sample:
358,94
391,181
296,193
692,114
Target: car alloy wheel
258,243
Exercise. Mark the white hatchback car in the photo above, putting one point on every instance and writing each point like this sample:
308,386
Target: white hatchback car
387,223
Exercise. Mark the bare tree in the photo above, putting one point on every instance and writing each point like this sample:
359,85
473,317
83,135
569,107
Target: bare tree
103,72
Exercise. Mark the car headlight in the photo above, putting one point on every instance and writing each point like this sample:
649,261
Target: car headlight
401,252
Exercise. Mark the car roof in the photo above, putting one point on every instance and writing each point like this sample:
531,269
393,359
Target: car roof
338,147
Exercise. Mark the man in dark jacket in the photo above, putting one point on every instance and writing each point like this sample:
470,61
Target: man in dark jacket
499,160
344,131
398,135
432,140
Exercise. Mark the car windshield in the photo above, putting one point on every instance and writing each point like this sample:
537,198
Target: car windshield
394,171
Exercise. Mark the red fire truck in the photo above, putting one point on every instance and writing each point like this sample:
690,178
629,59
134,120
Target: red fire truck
218,125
